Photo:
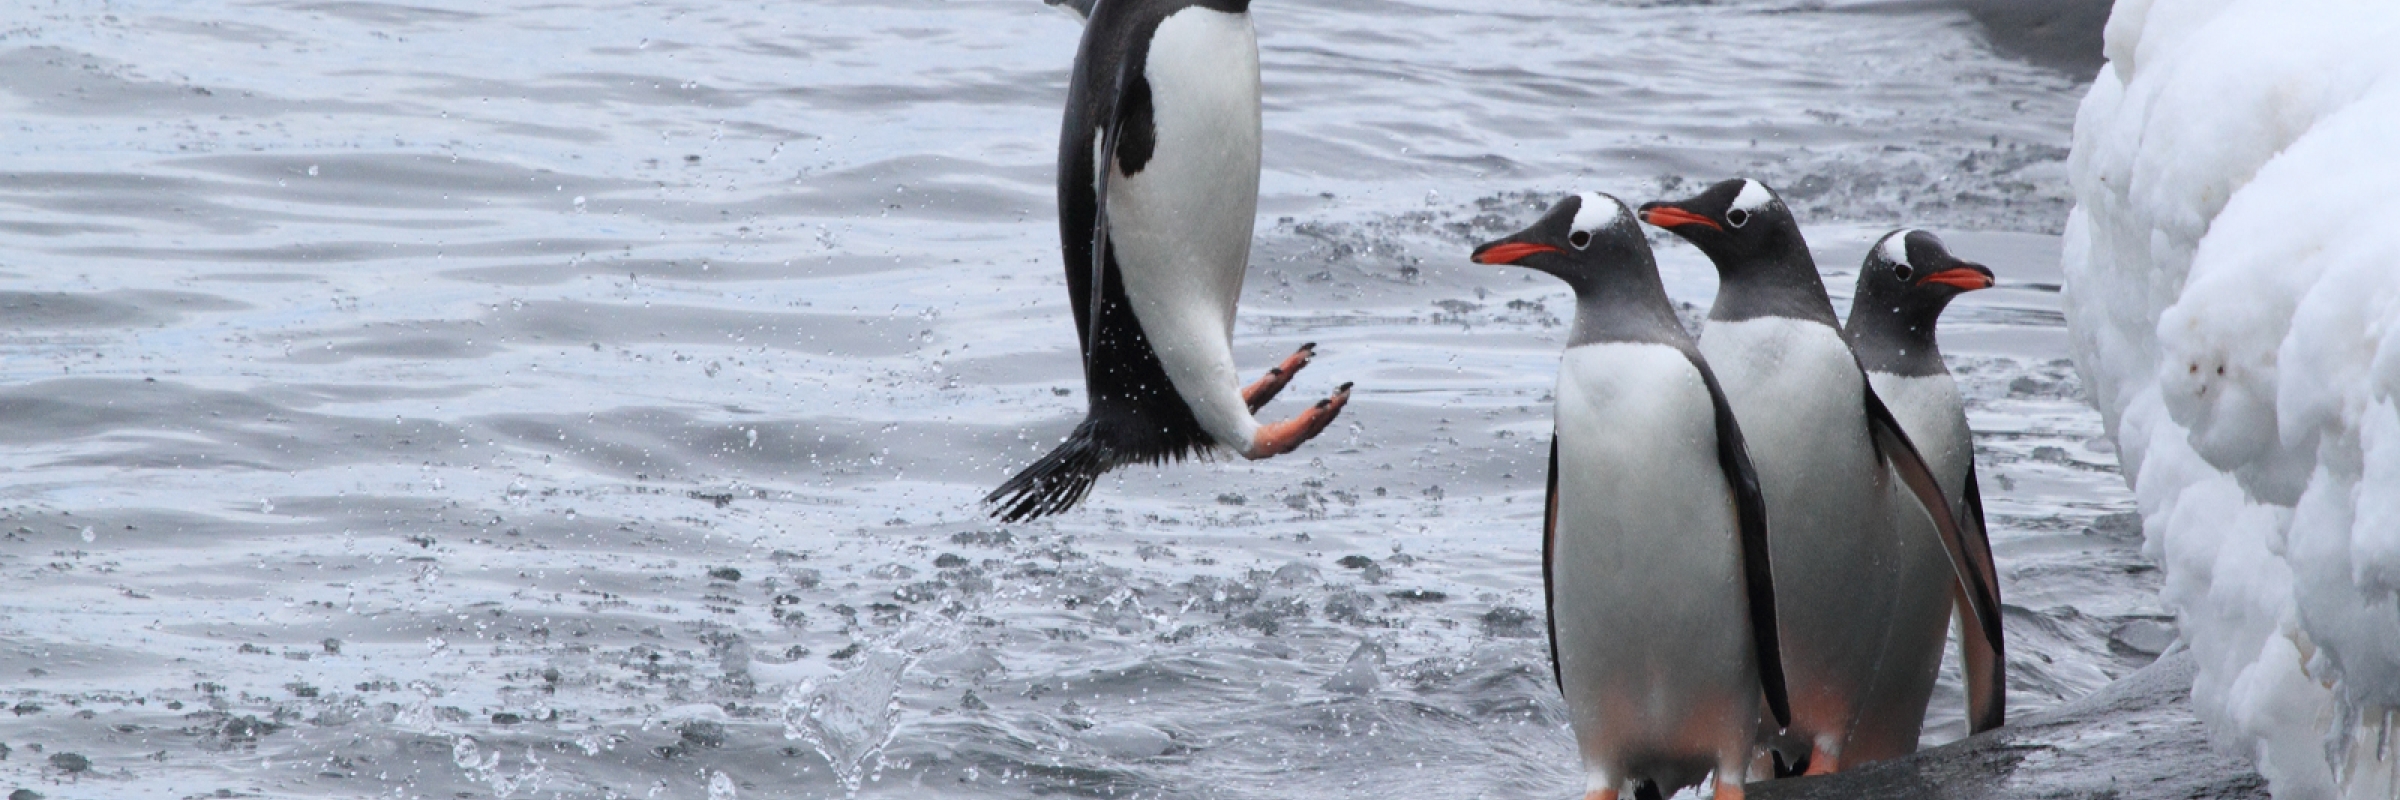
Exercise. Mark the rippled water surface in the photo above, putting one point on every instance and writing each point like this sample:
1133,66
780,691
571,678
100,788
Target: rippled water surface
589,399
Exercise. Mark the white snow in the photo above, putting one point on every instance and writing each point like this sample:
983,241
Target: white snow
2233,288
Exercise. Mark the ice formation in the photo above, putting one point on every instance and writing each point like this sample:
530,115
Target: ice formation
2233,287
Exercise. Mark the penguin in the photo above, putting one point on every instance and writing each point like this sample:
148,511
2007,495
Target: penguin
1825,448
1906,280
1157,191
1654,537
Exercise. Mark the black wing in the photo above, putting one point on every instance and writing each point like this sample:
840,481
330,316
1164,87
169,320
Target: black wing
1758,574
1549,542
1110,137
1986,662
1983,603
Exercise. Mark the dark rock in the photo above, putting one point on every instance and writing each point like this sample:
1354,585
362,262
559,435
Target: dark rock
1356,562
24,794
949,561
702,733
1419,596
2135,739
70,762
725,574
1511,622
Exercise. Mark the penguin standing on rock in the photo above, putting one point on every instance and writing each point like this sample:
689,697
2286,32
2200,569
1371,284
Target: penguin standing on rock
1908,277
1654,541
1157,194
1825,448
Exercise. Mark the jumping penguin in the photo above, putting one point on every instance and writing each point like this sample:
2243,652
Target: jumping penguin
1654,540
1825,448
1908,277
1157,192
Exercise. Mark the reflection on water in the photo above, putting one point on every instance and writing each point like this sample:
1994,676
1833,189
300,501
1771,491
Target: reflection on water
590,398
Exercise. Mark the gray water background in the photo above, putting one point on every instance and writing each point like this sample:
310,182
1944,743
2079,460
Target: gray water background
590,399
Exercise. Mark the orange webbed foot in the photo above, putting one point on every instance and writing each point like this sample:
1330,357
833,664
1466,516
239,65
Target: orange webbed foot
1600,794
1257,395
1283,437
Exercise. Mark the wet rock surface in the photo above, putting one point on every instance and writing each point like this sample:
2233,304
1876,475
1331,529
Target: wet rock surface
2135,739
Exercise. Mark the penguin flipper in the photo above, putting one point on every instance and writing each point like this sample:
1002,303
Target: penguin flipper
1758,574
1106,165
1550,581
1983,602
1986,663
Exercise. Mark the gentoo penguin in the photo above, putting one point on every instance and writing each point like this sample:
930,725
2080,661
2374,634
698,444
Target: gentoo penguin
1157,191
1825,448
1654,541
1907,279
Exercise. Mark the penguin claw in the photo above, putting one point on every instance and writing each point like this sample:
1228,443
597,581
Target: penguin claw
1257,395
1283,437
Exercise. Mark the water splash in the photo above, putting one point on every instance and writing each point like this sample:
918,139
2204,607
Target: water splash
850,718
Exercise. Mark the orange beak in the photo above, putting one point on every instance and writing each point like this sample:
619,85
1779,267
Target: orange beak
1671,217
1509,252
1965,278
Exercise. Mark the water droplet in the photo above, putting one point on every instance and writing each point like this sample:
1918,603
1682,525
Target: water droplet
88,535
720,787
312,170
266,506
465,754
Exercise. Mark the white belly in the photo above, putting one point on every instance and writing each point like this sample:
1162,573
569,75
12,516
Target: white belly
1182,225
1801,402
1648,603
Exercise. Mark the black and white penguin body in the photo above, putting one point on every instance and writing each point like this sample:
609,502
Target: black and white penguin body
1826,450
1906,281
1661,598
1157,194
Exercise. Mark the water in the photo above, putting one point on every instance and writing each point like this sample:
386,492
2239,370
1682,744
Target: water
589,399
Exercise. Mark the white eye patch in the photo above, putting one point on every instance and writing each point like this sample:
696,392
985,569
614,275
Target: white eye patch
1598,211
1754,196
1895,248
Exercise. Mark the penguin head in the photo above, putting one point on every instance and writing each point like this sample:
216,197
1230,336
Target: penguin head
1734,221
1583,239
1911,276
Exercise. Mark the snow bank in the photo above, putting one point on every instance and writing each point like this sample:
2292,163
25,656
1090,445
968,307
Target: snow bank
2233,287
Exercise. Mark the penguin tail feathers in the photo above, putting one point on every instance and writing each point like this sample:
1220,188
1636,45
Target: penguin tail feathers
1058,481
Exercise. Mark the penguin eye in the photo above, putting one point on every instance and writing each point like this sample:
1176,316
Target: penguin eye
1580,239
1902,271
1737,217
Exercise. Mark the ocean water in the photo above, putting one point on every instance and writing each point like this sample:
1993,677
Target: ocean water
590,399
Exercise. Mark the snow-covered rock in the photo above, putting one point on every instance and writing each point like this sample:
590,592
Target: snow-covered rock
2233,285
